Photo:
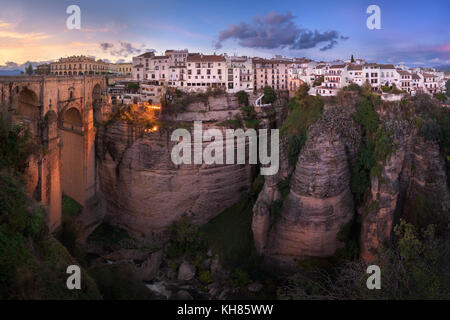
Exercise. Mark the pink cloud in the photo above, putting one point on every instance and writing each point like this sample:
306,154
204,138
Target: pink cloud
444,48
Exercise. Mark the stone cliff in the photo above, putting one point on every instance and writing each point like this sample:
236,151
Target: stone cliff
319,202
145,192
413,173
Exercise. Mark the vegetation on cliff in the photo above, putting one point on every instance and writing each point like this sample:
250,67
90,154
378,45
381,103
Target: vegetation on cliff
415,263
33,263
304,110
415,267
376,145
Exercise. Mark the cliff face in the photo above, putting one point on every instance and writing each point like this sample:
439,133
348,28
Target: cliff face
412,177
144,191
319,202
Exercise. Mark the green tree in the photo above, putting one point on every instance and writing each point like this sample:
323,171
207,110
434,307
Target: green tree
29,69
441,97
269,95
447,86
366,116
352,59
302,91
242,98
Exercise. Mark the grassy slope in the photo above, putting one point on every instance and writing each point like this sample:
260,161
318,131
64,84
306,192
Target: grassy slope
33,263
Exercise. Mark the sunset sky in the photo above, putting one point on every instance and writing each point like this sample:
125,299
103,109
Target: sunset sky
415,32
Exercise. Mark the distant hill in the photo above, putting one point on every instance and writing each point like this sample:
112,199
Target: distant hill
9,72
443,67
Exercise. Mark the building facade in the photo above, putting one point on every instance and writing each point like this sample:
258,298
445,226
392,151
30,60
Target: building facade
78,65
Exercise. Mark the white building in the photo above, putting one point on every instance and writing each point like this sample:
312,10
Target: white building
354,74
371,73
158,68
239,74
205,71
405,80
177,76
177,57
270,72
334,80
388,75
431,84
141,64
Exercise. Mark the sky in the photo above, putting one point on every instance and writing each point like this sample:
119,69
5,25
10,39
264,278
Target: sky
412,32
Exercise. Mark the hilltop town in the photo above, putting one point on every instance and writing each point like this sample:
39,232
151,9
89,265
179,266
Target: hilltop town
151,74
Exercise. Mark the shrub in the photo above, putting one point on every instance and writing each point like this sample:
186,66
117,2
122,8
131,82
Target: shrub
440,96
352,87
269,95
295,145
185,239
431,130
303,113
385,88
242,97
239,278
111,237
366,116
16,145
205,277
383,143
360,178
318,81
302,91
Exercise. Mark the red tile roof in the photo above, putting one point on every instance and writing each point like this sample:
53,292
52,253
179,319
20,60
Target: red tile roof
205,58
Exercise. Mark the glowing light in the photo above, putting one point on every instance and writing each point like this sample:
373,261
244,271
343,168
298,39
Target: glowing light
153,129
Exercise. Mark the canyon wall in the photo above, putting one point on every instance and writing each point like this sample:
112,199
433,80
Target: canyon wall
145,192
320,202
414,171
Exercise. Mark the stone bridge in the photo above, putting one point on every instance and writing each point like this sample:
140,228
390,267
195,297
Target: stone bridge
59,113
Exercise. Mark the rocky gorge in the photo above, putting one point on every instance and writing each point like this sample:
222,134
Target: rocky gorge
309,209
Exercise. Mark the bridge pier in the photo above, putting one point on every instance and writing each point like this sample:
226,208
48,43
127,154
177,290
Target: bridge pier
58,112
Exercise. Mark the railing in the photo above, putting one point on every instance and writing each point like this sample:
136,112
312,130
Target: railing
258,102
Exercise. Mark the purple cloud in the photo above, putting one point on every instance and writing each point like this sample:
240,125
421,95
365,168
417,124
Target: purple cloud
278,30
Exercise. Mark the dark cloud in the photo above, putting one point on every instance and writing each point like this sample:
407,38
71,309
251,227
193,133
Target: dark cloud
10,65
278,31
123,49
106,46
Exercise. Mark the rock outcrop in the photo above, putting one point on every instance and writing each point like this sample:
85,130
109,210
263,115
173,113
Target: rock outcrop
144,191
414,171
319,202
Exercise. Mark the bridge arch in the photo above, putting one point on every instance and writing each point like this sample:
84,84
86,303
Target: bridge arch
51,126
97,102
28,110
72,154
